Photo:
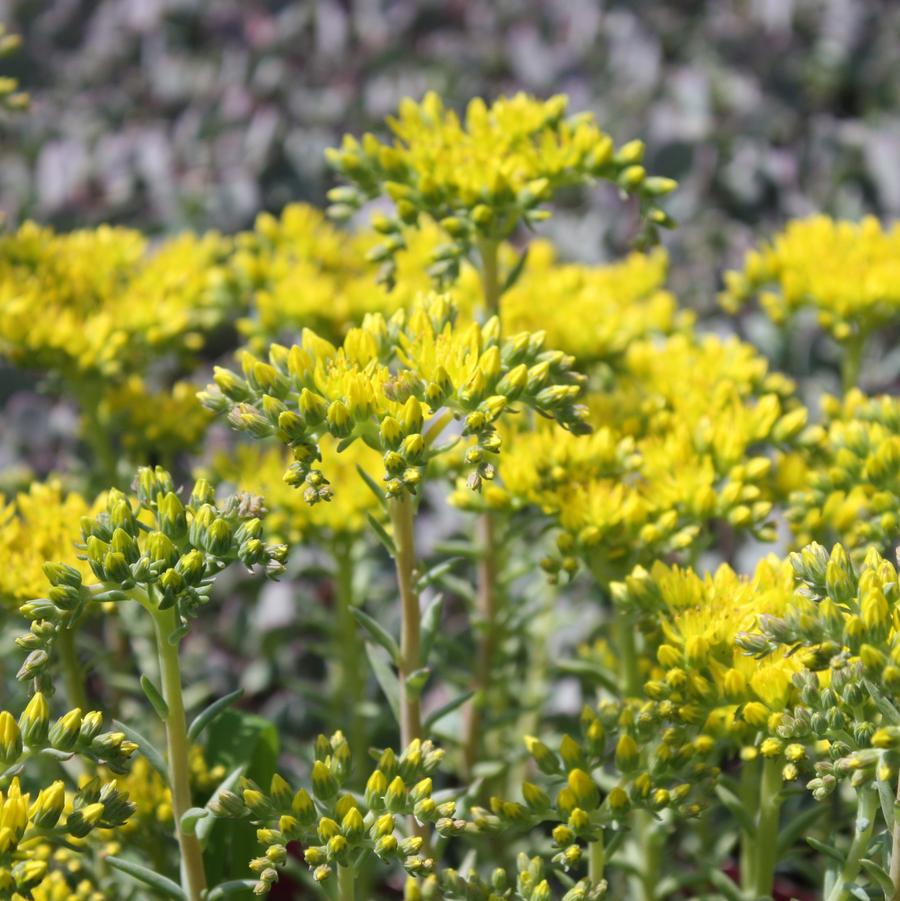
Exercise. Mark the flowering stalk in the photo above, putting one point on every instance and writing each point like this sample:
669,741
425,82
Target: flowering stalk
193,874
348,647
401,512
895,853
866,811
73,675
852,362
596,859
346,884
486,597
766,838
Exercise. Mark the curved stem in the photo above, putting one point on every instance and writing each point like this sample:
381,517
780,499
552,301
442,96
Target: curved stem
866,809
401,511
73,675
193,875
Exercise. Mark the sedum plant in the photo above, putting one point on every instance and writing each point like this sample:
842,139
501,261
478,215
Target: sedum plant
598,685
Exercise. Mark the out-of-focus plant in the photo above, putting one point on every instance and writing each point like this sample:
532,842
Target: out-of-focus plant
847,272
851,476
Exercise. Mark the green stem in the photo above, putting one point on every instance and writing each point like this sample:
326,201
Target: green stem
596,859
348,649
647,855
623,628
193,875
486,598
749,794
486,601
895,854
346,884
73,675
401,511
766,840
852,362
866,810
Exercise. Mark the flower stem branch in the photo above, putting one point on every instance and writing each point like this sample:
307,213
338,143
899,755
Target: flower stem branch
193,875
348,650
866,810
73,674
486,598
766,840
401,512
346,884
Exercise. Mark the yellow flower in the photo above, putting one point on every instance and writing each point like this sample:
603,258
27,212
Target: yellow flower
851,490
481,176
677,443
36,526
592,312
153,425
693,622
385,380
260,470
848,272
108,302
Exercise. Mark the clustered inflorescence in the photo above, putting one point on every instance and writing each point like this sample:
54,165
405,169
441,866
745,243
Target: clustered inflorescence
640,634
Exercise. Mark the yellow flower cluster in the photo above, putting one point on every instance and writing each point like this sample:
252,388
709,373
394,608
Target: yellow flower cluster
383,383
851,486
840,629
153,425
337,827
260,470
680,440
38,525
650,760
108,301
152,797
33,825
848,272
300,272
481,176
690,625
67,878
592,312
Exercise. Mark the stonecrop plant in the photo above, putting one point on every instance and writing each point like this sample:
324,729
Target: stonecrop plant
472,572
